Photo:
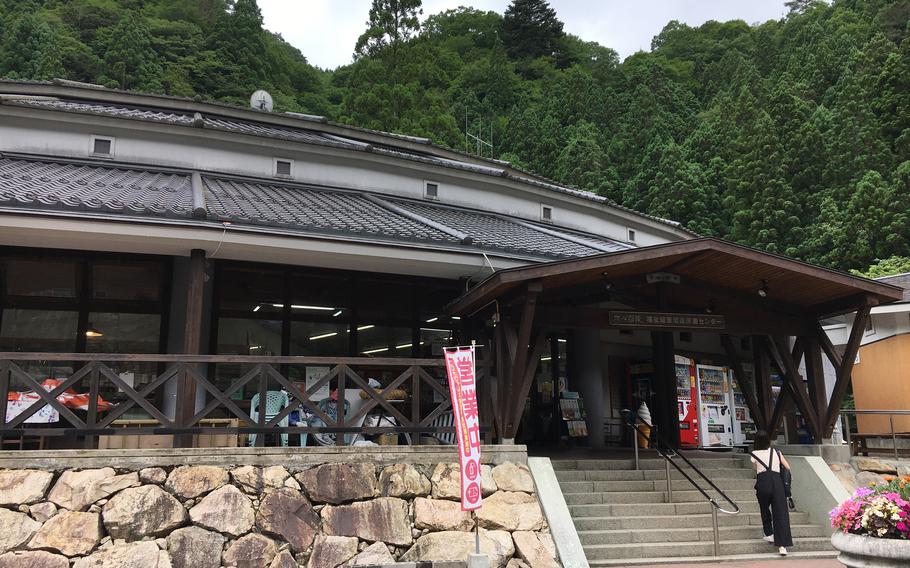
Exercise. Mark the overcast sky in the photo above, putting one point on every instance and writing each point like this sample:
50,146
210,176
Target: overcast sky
326,30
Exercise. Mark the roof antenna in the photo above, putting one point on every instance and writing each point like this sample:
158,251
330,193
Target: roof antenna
261,100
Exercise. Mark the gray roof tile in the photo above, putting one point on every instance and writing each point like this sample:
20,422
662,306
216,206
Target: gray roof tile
494,232
311,209
44,184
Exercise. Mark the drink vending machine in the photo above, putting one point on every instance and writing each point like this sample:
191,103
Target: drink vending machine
715,415
686,397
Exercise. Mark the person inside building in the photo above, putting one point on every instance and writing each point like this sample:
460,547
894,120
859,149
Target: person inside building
770,492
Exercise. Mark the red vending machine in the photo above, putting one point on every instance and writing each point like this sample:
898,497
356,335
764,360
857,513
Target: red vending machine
686,402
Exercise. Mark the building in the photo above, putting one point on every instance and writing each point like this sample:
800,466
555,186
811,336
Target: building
881,374
181,259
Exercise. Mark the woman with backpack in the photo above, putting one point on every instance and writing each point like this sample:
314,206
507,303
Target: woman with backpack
771,493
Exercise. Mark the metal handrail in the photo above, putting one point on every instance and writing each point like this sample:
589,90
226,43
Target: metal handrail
890,413
668,461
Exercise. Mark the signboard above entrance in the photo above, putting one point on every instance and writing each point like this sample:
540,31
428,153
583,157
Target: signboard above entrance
666,320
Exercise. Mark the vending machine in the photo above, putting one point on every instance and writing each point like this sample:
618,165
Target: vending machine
715,415
686,397
743,424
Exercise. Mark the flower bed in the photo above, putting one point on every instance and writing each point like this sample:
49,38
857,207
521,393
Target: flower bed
873,526
881,511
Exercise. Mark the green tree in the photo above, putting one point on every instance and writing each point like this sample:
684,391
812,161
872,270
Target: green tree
391,23
129,60
31,50
531,29
886,267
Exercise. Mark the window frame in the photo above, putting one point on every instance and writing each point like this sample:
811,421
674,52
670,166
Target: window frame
426,190
91,146
277,174
546,213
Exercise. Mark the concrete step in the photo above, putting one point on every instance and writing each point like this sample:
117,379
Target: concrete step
706,548
649,474
652,485
752,558
691,496
662,534
654,509
649,463
676,522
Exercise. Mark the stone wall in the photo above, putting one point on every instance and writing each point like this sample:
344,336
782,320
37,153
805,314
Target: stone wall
314,516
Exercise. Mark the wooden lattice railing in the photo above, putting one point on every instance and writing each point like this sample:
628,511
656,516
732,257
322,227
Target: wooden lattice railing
192,373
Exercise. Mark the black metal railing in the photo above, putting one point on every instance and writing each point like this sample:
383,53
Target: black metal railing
667,453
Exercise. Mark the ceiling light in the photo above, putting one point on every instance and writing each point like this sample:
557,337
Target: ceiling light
712,307
363,327
323,336
375,351
318,308
403,346
257,308
456,318
336,314
92,331
763,291
431,320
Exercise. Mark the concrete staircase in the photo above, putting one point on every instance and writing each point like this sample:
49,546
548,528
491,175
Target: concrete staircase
623,518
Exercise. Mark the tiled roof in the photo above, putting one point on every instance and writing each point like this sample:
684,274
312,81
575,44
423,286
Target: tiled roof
309,133
901,280
50,185
310,209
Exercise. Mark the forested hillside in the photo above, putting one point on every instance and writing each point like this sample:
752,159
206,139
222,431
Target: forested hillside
792,136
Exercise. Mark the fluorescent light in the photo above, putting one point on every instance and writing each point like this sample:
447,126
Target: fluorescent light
257,308
561,340
431,320
336,314
403,346
545,358
323,336
456,318
277,305
318,308
434,329
363,327
255,347
375,351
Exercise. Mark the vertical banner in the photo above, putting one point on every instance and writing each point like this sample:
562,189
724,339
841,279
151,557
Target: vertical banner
463,390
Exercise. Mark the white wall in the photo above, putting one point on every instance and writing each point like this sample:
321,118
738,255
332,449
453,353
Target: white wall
207,150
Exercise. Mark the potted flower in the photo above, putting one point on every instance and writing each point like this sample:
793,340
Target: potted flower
873,526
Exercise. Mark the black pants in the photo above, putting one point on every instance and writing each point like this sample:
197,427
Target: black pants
772,504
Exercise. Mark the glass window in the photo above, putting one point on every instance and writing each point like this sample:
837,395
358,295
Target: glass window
39,330
139,281
314,339
320,295
384,341
50,278
385,299
251,289
249,337
432,340
122,333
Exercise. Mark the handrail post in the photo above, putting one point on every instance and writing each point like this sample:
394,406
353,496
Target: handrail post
716,531
669,482
635,435
893,435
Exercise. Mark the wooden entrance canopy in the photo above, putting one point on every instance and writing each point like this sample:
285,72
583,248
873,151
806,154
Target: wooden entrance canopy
768,297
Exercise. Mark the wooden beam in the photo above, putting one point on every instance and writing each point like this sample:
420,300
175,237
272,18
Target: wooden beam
752,300
519,357
845,370
782,356
826,345
815,372
747,387
845,305
519,396
192,339
762,375
778,415
599,318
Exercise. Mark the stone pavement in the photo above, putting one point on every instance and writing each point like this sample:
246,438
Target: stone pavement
788,562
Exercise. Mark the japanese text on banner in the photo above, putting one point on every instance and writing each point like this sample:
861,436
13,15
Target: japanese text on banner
463,390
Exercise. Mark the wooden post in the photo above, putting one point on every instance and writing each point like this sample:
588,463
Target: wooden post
815,373
846,368
666,414
747,387
524,359
192,339
763,378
